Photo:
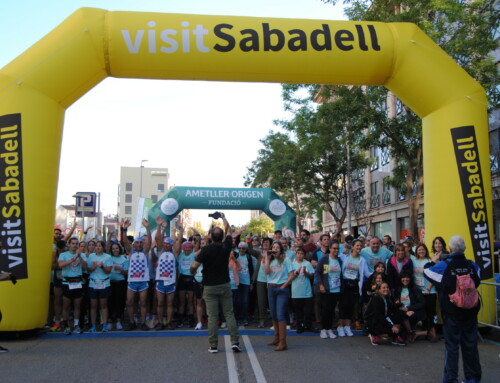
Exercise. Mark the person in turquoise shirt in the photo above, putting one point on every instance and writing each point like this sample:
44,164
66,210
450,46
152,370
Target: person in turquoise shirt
328,284
71,263
302,296
118,284
421,259
185,283
375,254
99,265
280,274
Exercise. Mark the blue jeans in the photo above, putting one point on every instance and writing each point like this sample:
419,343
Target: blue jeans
278,302
460,334
241,303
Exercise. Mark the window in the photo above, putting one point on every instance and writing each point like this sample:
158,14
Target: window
386,193
374,158
128,198
154,198
382,228
384,156
358,201
128,186
161,188
375,198
128,209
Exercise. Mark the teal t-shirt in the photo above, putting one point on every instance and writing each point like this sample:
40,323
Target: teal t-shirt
118,262
74,269
185,262
98,278
301,285
279,272
261,275
232,281
351,269
198,277
290,254
418,274
372,258
405,296
334,271
244,273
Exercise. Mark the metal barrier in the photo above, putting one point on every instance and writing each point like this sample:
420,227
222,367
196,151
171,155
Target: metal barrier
496,286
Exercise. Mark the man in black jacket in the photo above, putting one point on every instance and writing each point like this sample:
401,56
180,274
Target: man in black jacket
216,287
459,324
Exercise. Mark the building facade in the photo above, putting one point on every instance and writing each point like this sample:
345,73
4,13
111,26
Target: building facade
136,183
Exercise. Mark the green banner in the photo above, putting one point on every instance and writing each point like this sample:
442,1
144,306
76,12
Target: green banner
185,197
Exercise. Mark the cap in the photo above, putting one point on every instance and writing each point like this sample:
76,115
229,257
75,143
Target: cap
168,240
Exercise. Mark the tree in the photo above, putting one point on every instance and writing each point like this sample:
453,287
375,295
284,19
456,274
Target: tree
313,159
466,31
279,166
261,225
198,227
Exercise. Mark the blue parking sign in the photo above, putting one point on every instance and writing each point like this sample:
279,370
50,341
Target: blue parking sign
86,204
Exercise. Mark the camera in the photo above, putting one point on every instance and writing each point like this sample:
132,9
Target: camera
215,215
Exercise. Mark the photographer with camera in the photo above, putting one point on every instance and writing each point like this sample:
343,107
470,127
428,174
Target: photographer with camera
217,289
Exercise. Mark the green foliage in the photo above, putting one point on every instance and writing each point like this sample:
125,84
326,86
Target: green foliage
466,30
262,226
307,161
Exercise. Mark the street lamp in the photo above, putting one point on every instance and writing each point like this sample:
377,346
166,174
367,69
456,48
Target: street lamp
140,193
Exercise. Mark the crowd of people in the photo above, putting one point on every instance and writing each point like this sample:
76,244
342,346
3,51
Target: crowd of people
331,287
327,287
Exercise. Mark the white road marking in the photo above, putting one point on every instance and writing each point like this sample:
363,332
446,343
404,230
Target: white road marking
231,364
257,370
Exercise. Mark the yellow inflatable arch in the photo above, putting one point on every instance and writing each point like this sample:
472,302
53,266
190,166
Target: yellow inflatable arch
37,87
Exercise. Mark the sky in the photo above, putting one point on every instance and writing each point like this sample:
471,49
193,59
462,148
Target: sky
179,125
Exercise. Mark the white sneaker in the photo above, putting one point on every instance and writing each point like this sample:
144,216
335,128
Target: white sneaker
331,334
119,325
340,331
223,325
199,326
110,326
348,331
323,334
288,327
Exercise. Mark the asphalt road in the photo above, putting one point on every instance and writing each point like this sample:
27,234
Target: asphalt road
181,356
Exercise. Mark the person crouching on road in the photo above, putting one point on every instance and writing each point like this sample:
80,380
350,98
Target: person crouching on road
280,274
382,317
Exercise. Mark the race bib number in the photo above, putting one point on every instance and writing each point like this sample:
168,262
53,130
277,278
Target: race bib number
99,284
75,285
351,274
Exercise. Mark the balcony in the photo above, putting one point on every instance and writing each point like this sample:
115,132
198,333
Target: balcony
375,201
386,197
495,163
